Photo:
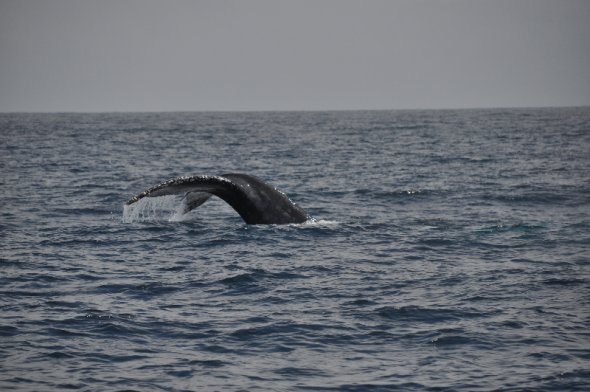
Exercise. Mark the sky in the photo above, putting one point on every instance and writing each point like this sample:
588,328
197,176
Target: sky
191,55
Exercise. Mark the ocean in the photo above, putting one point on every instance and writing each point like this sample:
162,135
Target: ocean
449,250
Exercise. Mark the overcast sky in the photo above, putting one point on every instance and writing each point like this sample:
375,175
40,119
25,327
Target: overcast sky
147,55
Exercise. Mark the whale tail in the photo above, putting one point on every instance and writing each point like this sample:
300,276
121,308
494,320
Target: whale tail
193,200
256,201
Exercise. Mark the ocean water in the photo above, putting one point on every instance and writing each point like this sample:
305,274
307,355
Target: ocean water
450,250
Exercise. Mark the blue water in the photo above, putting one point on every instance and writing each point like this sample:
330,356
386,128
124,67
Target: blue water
450,251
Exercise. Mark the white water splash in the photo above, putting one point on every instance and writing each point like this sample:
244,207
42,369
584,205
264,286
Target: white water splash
151,209
320,222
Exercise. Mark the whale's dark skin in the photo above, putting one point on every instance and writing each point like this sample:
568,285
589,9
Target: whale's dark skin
256,201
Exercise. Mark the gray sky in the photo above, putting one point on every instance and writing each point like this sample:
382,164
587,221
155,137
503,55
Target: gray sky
146,55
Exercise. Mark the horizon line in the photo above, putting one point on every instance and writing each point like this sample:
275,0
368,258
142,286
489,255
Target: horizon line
289,110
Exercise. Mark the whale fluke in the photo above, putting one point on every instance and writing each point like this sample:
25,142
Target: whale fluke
256,201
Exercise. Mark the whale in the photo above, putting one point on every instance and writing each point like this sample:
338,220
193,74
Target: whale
253,199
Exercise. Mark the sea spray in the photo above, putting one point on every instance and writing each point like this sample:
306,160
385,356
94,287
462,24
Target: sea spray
168,208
